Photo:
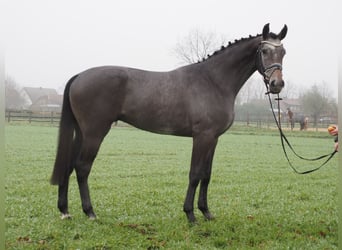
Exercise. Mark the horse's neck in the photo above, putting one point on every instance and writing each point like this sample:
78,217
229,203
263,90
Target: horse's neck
232,68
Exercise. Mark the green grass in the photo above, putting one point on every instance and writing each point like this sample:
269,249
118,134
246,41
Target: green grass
138,184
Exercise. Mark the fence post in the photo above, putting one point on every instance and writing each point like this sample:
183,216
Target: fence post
51,120
9,116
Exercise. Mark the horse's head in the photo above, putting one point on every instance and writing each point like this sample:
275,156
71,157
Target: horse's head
270,57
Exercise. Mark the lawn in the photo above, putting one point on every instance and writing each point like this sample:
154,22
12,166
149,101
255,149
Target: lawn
138,184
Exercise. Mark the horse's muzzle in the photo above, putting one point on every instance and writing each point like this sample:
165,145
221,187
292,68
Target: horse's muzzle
276,86
276,82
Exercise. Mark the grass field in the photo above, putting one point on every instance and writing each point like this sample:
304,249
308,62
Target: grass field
138,183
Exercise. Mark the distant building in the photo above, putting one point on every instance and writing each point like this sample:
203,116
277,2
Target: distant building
43,99
293,104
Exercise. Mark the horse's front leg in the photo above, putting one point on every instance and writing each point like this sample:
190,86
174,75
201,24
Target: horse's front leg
188,207
200,171
202,199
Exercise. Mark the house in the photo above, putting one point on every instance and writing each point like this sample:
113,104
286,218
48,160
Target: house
43,99
293,104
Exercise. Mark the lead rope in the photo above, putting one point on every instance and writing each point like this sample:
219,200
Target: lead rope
283,138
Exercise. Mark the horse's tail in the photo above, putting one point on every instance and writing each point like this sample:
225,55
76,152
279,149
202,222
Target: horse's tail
67,128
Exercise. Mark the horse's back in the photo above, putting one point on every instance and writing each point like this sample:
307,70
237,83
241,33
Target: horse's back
152,101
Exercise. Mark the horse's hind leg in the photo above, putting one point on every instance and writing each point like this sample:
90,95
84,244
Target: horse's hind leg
63,198
90,145
63,188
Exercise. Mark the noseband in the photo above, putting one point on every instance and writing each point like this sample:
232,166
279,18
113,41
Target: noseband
267,71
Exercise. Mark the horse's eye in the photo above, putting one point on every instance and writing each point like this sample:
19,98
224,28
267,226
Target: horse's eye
265,51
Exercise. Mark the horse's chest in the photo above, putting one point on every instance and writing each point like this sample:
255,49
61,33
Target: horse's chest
218,118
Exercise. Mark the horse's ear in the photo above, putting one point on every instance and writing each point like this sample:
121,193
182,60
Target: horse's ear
283,32
265,31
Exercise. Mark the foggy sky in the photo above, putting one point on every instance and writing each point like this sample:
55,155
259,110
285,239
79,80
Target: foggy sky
47,42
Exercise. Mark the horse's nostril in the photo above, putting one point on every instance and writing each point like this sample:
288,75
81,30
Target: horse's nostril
278,84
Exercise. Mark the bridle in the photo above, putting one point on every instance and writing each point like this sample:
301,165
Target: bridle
267,71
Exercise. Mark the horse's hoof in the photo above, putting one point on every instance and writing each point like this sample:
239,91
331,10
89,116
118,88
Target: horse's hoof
191,218
209,216
92,217
65,216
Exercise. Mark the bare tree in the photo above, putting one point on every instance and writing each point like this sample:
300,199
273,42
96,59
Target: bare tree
13,98
197,45
317,101
290,90
253,89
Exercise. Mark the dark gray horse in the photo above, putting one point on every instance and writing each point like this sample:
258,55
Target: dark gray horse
195,101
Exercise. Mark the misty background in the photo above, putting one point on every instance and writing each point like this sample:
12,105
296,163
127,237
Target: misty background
47,42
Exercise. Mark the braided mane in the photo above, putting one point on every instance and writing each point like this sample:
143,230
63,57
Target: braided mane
229,45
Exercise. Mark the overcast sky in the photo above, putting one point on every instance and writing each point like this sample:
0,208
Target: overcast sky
47,42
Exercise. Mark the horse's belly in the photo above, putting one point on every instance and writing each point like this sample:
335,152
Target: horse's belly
160,124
